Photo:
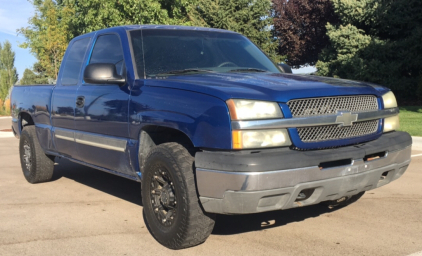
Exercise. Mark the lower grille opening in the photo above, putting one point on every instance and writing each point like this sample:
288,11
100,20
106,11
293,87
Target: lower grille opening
335,163
383,176
305,194
374,156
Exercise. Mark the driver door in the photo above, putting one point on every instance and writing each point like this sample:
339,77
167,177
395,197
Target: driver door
101,117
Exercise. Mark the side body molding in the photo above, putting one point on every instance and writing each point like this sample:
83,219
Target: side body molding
100,141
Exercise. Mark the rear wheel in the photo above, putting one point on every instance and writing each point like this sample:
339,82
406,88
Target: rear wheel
171,206
36,165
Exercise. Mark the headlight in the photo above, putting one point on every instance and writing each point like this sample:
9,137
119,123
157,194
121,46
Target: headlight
252,109
391,123
260,138
389,100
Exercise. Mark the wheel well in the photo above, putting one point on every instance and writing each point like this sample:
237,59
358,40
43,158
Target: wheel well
25,119
152,136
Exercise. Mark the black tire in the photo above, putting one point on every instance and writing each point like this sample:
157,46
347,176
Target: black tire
36,165
343,201
188,225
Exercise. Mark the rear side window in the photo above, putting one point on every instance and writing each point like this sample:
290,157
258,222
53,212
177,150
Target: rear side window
73,62
108,49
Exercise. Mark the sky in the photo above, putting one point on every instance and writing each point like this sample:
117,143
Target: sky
14,14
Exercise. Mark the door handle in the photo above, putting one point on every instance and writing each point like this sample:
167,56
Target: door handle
80,101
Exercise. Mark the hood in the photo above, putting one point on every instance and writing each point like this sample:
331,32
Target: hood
266,86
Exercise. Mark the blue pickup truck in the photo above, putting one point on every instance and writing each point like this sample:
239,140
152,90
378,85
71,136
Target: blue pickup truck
209,125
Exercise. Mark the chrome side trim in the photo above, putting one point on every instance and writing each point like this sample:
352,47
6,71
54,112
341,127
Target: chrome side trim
214,183
100,141
64,137
64,134
310,120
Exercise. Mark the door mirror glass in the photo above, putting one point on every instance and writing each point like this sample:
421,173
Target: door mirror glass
102,73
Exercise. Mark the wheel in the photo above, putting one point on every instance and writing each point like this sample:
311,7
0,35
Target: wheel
172,210
36,165
343,201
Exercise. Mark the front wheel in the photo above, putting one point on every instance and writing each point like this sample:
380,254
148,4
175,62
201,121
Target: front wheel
172,210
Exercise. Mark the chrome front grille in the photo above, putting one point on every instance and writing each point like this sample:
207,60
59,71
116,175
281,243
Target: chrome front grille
330,105
335,132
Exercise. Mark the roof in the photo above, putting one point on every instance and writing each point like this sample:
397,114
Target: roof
167,27
174,27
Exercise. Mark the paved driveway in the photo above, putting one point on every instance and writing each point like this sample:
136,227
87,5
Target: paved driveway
88,212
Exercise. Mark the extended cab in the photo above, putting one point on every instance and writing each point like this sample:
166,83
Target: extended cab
209,125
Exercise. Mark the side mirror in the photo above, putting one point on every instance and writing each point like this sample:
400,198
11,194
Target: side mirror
285,68
102,73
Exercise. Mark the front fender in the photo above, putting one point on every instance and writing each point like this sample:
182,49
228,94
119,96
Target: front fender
203,118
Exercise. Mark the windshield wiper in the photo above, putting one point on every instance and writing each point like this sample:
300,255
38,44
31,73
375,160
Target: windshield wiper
184,71
248,70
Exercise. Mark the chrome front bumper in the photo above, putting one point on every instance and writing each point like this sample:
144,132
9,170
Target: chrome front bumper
229,192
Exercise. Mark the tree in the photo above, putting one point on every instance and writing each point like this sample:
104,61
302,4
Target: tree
49,34
35,76
8,74
376,41
249,17
91,15
56,22
300,28
28,77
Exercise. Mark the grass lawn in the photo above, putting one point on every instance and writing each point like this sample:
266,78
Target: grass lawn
411,120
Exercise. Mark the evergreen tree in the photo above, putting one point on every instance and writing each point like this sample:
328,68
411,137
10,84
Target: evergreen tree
376,41
251,18
35,76
8,74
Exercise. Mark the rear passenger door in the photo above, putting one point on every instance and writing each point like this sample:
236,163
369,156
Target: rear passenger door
102,121
64,97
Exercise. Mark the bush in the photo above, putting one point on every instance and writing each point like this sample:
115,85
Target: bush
4,112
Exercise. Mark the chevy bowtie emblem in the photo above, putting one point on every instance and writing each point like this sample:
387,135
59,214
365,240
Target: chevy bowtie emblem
346,118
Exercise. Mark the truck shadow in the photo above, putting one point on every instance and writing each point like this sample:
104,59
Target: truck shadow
120,187
130,191
236,224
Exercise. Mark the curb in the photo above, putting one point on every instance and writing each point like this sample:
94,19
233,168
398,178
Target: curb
417,143
6,135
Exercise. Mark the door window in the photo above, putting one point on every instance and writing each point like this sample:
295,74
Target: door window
108,49
73,62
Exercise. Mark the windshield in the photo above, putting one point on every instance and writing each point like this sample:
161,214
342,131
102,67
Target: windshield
171,52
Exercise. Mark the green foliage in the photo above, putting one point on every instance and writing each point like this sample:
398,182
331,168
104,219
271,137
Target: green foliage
8,74
376,41
4,111
91,15
35,76
56,22
48,34
248,17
